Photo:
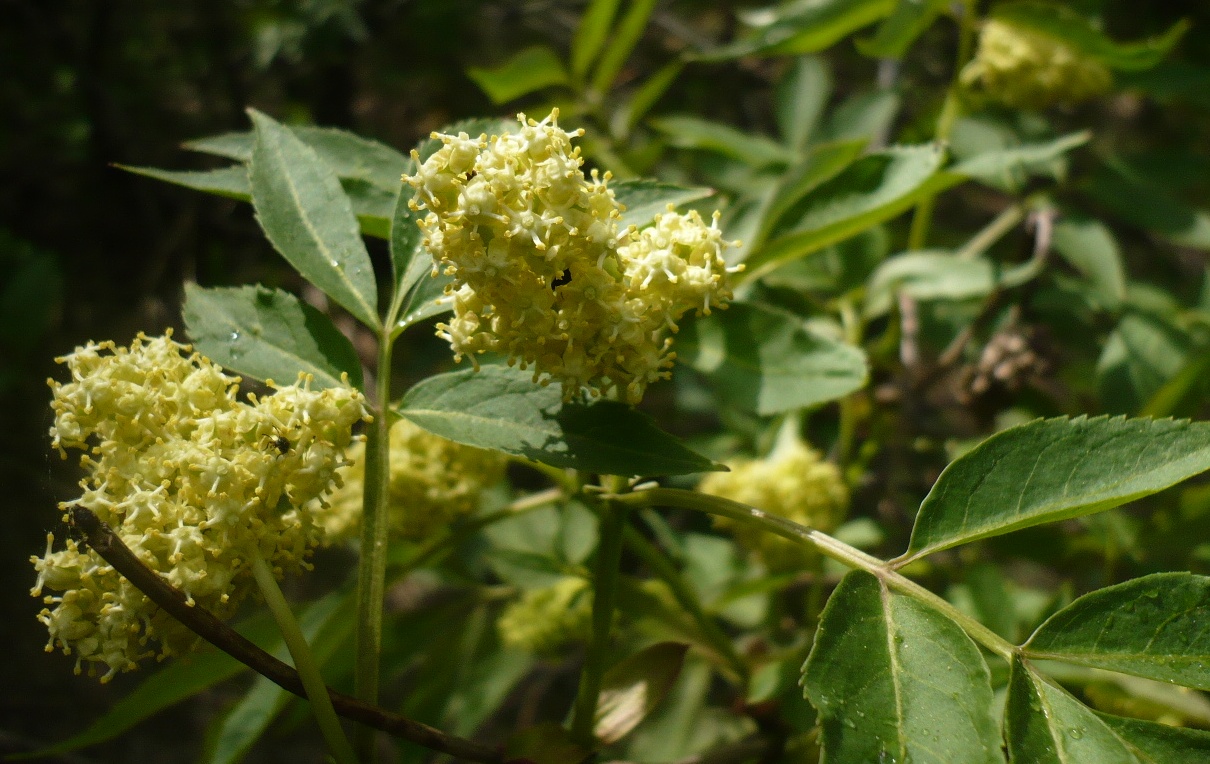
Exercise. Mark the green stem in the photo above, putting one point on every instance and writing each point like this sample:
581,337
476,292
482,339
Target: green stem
605,594
827,546
371,571
846,434
663,567
950,110
304,662
992,232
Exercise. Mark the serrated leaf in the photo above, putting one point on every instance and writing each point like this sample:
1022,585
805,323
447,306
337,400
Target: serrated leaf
1073,29
502,408
231,182
526,71
823,163
768,361
894,680
801,27
268,334
644,199
305,213
633,688
326,624
1007,167
1046,725
704,135
1154,627
350,156
873,189
1054,469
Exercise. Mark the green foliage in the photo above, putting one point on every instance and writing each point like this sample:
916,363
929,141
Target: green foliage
948,299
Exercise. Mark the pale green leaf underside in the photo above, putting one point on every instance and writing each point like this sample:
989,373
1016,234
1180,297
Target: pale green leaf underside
268,334
1157,627
1046,725
308,217
501,408
768,362
894,680
633,688
1053,469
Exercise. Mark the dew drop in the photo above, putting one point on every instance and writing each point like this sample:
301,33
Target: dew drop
234,337
334,263
1076,732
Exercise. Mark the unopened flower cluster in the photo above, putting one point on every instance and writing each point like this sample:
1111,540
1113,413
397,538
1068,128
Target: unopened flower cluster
544,274
1029,69
793,482
544,620
433,482
193,480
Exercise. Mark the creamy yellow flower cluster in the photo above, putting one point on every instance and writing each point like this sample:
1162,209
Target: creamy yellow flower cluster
192,480
793,482
1028,69
433,482
542,272
544,620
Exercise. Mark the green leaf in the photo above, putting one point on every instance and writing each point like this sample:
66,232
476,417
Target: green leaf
822,164
502,408
800,100
409,259
427,297
1009,167
350,156
804,26
231,182
371,204
633,688
897,33
867,116
268,334
181,679
308,217
1141,355
1154,627
623,40
646,95
930,276
894,680
1160,743
591,34
1073,29
326,624
644,199
1054,469
1046,725
768,361
1151,207
873,189
527,71
1088,245
701,134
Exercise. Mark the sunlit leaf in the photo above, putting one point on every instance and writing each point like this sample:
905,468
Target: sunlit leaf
1053,469
633,688
894,680
526,71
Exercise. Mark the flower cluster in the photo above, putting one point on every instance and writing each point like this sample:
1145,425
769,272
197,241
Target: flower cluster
193,480
433,481
544,620
792,482
542,272
1029,69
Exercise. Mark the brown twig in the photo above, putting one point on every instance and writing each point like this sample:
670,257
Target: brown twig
107,544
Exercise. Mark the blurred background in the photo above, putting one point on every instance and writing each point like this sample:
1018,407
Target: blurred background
88,251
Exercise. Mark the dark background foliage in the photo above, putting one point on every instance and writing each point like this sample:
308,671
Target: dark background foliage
88,84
